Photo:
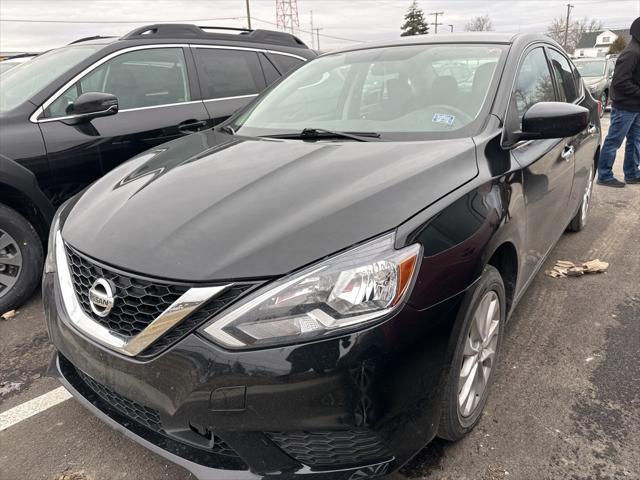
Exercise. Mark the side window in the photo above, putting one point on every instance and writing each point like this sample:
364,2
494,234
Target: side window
142,78
270,72
567,87
228,73
533,83
285,63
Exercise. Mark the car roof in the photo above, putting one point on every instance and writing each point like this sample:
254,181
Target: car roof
188,33
450,38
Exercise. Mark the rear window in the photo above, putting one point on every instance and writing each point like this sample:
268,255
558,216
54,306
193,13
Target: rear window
228,73
285,63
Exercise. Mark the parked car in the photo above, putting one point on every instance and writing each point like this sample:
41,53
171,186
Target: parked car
319,286
73,113
597,74
15,60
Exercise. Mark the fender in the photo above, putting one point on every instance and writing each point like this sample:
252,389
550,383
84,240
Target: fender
20,181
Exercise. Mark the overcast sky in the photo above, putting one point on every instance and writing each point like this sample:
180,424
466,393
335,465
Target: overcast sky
363,20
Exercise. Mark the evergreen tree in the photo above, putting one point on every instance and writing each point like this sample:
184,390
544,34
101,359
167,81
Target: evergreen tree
414,22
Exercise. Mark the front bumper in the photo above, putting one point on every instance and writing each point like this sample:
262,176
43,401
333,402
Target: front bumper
356,406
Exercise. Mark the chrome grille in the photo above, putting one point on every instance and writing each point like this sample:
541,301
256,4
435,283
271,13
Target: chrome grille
138,301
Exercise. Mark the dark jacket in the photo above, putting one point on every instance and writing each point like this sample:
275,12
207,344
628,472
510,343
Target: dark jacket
625,85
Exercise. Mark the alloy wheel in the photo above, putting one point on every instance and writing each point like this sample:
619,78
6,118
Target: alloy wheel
10,262
479,353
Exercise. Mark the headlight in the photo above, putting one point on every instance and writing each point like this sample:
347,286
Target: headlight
346,291
50,260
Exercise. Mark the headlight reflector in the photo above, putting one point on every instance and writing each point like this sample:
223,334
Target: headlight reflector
344,291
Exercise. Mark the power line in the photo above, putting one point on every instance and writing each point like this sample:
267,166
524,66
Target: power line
129,22
23,20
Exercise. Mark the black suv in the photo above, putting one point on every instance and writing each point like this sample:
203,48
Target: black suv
319,286
72,114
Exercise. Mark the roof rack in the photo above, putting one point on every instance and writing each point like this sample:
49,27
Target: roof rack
182,31
86,39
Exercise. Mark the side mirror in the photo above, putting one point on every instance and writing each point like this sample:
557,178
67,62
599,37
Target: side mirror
553,120
92,105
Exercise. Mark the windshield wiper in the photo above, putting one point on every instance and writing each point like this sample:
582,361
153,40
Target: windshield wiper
315,133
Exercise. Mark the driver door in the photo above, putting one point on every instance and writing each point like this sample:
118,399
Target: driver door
547,165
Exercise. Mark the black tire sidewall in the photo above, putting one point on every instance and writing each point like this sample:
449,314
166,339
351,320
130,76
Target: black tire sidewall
32,258
452,425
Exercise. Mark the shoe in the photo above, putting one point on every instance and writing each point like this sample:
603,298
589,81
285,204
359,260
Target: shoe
633,180
614,182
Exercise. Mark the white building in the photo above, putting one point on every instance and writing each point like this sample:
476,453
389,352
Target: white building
596,44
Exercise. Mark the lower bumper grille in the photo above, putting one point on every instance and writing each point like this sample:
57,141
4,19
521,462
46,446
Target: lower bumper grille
87,388
146,416
332,448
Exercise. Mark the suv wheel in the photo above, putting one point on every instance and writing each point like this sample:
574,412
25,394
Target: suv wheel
21,259
580,220
476,353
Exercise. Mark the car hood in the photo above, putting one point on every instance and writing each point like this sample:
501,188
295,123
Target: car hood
212,206
588,81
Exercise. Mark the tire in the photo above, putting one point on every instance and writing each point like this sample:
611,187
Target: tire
580,220
21,259
458,420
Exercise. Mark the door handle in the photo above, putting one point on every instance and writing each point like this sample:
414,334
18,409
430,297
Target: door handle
592,129
567,152
191,125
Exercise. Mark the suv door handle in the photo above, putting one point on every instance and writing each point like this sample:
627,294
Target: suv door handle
591,129
191,125
567,152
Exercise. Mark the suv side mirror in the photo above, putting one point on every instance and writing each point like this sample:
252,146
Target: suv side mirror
553,120
92,105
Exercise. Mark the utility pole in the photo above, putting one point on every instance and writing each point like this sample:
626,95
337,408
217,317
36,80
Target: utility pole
317,29
248,15
313,40
566,27
436,22
451,27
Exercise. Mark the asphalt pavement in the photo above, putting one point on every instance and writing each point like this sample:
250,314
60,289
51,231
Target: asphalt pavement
565,403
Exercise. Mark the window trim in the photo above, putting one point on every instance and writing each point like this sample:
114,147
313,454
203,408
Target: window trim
573,68
39,111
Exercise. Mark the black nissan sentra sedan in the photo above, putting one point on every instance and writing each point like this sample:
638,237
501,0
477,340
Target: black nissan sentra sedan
319,287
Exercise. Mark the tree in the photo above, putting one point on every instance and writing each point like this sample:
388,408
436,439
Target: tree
414,21
577,28
618,45
479,24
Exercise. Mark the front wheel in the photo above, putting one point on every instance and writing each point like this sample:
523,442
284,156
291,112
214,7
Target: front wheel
21,259
474,360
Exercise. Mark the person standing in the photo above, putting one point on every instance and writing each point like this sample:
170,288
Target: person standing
625,115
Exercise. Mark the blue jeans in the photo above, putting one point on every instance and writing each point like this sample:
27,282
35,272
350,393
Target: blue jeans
623,124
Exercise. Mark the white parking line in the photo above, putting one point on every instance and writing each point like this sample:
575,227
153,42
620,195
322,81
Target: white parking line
33,407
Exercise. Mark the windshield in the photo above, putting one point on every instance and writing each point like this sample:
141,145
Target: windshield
414,89
590,68
21,82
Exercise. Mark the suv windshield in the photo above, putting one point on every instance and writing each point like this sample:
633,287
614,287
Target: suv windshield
590,68
20,83
426,91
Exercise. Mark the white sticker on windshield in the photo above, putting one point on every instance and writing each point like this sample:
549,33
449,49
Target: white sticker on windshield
443,118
